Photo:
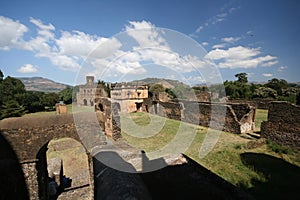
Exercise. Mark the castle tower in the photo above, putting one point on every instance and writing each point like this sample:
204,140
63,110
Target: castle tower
89,80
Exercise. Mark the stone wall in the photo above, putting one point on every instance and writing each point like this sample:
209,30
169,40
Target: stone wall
108,116
257,103
283,125
29,137
235,118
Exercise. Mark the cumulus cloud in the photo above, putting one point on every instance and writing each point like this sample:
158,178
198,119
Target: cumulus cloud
230,39
267,75
146,35
27,68
240,57
11,33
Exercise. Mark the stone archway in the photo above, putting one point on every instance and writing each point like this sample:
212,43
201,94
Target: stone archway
85,103
29,137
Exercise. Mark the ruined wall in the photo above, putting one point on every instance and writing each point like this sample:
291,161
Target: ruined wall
283,124
108,116
257,103
239,118
28,137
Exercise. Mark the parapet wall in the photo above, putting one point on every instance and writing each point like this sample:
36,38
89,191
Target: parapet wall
283,124
235,118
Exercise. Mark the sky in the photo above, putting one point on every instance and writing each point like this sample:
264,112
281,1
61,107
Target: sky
195,41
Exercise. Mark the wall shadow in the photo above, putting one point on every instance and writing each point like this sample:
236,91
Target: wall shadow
283,178
113,184
182,181
12,184
189,181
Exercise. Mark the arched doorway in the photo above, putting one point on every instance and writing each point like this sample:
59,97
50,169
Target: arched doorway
84,102
64,162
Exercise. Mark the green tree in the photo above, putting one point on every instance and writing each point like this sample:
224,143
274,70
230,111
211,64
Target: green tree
265,92
66,95
11,108
242,77
105,86
1,76
238,88
12,92
33,101
277,84
49,100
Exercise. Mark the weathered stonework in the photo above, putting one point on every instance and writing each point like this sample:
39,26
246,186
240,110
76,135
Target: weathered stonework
129,96
235,118
283,125
89,92
108,116
31,178
29,137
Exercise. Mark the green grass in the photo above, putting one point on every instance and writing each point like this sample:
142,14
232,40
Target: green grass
70,109
260,115
229,157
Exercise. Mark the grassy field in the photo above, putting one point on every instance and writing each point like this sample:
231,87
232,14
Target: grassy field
74,159
231,157
70,109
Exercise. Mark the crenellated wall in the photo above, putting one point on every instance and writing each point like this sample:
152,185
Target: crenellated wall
283,125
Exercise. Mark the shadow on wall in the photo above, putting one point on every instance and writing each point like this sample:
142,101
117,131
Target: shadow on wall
12,184
283,178
182,181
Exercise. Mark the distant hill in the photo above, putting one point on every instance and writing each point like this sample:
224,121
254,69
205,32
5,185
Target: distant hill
167,83
42,84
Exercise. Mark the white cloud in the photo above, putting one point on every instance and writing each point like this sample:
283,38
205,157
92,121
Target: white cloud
77,43
11,33
267,75
230,39
219,46
240,57
43,29
27,68
205,43
271,63
146,35
282,68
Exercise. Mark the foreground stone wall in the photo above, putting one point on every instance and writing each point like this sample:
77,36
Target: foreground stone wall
283,124
235,118
29,137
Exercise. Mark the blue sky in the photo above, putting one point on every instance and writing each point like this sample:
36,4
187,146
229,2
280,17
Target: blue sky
59,39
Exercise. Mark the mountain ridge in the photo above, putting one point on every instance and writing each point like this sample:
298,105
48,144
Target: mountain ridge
42,84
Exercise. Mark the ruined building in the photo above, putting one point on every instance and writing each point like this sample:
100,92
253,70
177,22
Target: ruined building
129,96
89,92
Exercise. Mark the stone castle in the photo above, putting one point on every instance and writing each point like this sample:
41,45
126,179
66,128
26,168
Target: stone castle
130,97
89,92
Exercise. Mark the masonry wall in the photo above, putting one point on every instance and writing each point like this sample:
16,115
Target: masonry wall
235,118
283,124
29,136
108,116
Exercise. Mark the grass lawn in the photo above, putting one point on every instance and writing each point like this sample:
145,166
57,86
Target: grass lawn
250,169
70,109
